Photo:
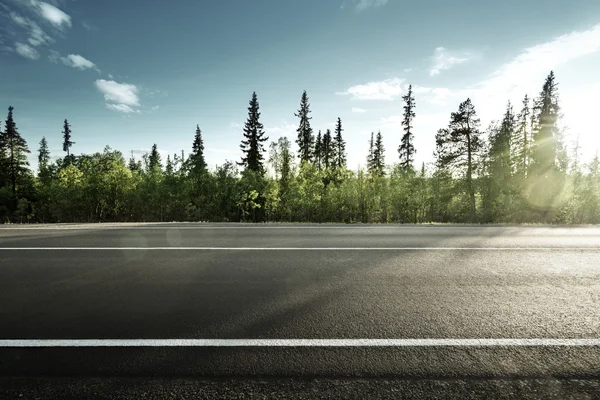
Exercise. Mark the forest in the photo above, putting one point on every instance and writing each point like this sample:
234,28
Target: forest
517,170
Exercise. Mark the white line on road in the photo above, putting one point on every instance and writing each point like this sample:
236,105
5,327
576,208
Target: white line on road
305,248
297,342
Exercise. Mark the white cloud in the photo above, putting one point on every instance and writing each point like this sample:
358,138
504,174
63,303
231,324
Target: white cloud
26,51
54,56
79,62
283,129
52,14
37,36
382,90
358,110
124,108
526,72
121,93
365,4
110,76
443,60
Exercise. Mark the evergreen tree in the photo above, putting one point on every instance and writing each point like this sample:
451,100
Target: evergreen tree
318,151
521,141
43,154
154,162
43,160
134,166
339,146
327,151
67,143
16,150
544,146
459,145
254,135
500,148
196,160
379,156
370,155
305,134
407,149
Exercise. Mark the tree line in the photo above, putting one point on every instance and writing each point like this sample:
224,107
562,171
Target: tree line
519,169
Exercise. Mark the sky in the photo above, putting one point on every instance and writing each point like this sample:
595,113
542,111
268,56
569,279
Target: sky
132,73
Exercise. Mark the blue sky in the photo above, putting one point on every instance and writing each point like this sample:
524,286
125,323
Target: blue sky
132,73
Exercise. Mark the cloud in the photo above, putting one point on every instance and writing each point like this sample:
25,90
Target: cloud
52,14
37,36
89,26
366,4
54,56
358,110
283,129
26,51
437,96
382,90
122,93
79,62
124,108
525,73
442,60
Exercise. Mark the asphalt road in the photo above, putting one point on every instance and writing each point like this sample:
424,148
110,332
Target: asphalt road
190,281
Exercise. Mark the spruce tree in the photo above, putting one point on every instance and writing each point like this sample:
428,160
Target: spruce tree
544,146
67,143
327,151
370,155
305,134
154,162
407,148
339,146
197,162
43,159
459,145
16,149
500,148
379,156
318,151
254,137
521,140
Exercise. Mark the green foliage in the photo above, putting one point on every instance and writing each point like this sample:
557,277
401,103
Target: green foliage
406,150
254,137
518,175
305,139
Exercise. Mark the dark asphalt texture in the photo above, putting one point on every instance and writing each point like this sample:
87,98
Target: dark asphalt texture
545,286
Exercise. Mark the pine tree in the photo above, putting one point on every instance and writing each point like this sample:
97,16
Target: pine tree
43,159
318,151
196,160
154,162
370,155
544,146
407,149
67,143
500,148
305,134
254,135
327,151
339,146
16,150
521,141
134,166
459,145
379,156
169,167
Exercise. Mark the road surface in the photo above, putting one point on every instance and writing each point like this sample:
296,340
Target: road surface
358,309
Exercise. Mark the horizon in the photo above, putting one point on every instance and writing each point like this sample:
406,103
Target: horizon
70,60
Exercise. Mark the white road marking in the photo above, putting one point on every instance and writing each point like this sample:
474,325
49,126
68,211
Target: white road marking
304,248
297,342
